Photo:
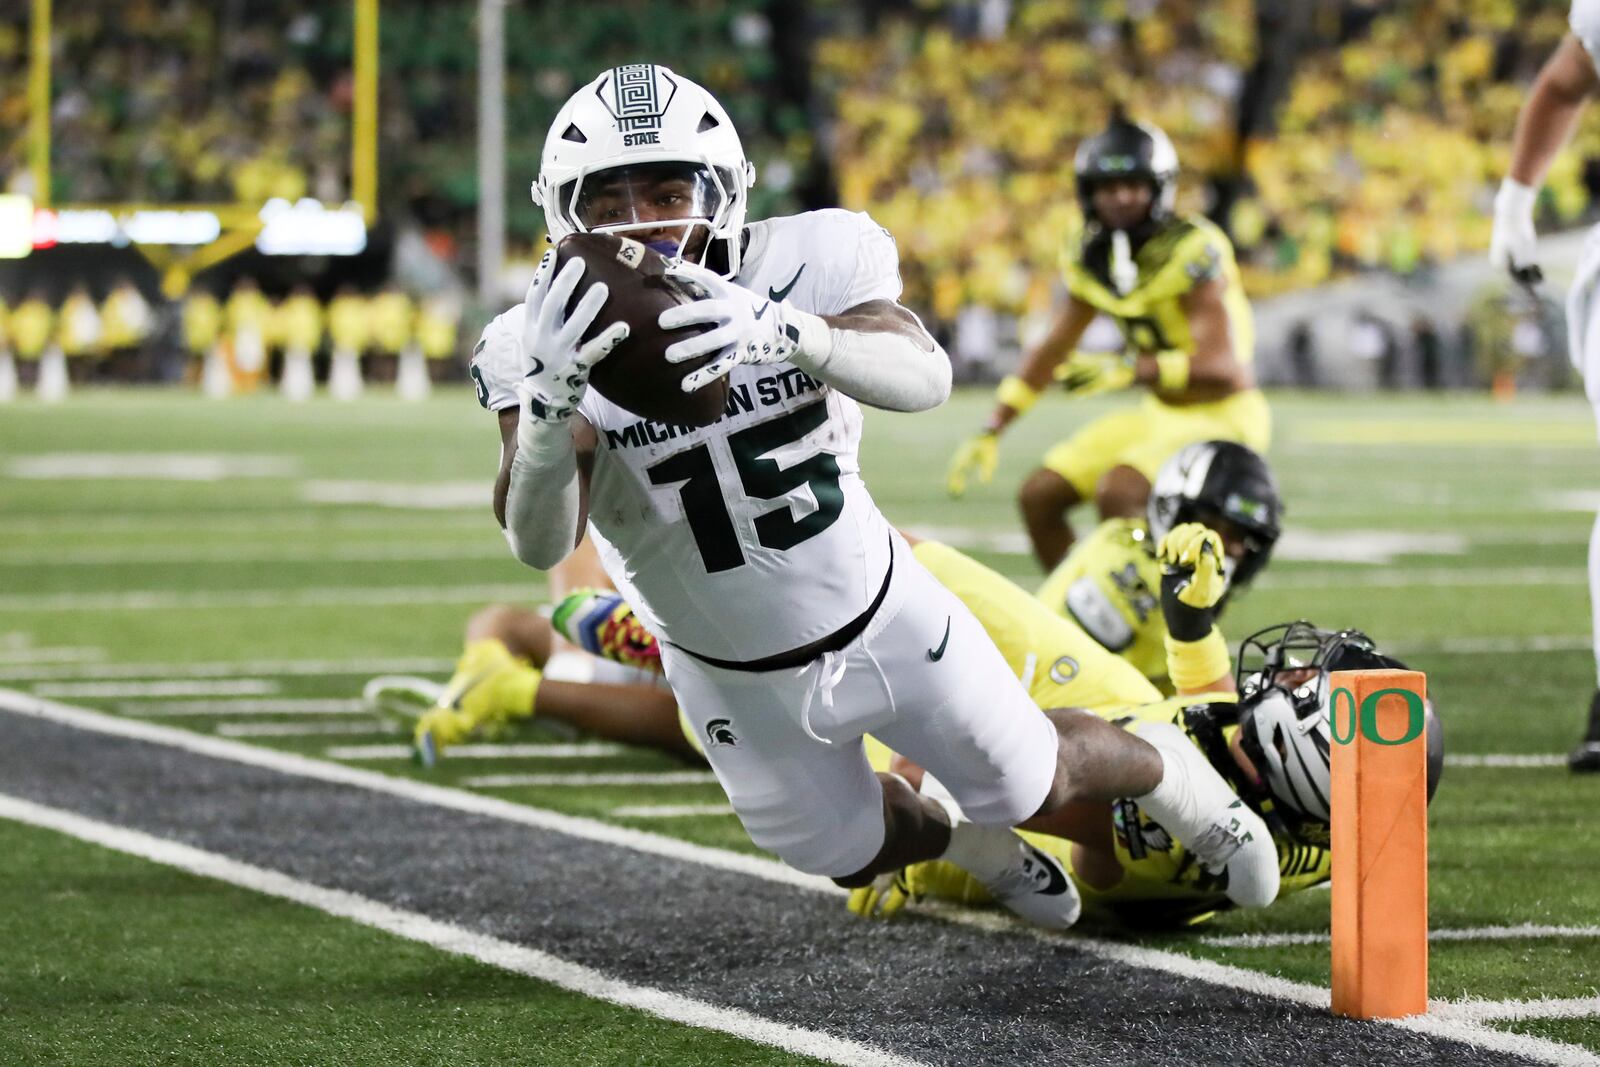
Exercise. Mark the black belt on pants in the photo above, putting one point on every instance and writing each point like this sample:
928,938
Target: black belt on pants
799,657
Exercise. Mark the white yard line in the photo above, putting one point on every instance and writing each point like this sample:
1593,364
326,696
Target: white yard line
670,811
1506,759
512,781
302,729
322,596
456,940
1419,578
232,668
65,654
236,687
580,750
1472,933
1176,963
1480,646
382,552
180,709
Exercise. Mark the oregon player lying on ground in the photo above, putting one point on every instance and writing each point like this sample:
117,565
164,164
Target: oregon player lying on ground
1110,583
1119,859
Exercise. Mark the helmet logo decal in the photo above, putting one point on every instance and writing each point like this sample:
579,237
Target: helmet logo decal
637,101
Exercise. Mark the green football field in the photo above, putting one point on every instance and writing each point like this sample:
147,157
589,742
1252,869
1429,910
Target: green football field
240,568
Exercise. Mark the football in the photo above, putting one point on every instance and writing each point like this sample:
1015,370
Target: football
636,374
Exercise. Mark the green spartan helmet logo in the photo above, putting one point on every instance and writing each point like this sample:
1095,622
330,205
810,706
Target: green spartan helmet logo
720,732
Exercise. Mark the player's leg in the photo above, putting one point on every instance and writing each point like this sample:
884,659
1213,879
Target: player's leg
1068,476
1122,493
1583,332
968,720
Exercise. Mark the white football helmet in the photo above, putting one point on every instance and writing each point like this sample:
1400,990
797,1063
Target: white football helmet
644,115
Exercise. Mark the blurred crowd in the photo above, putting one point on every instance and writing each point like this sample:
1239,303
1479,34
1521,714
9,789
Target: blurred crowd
121,334
1330,137
956,125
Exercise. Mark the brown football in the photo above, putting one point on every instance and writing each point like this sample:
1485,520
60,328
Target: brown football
636,375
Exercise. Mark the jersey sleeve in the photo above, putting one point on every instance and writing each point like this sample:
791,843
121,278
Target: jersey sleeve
873,271
497,360
1585,23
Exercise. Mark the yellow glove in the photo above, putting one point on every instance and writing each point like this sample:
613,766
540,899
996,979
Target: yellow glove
884,898
1091,373
978,455
437,730
1193,554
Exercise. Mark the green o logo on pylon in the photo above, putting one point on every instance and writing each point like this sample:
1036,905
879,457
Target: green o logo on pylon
1342,737
1367,718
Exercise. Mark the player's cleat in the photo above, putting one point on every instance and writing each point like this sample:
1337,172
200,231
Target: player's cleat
883,898
1585,759
401,698
601,623
489,689
1037,888
1026,880
1196,805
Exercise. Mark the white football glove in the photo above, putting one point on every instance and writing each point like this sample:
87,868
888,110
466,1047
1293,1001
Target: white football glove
1512,245
555,359
746,328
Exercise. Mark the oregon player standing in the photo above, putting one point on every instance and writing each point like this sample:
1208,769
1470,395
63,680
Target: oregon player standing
1172,286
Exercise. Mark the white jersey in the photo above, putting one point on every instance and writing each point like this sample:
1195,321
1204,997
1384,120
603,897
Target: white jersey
1584,19
755,535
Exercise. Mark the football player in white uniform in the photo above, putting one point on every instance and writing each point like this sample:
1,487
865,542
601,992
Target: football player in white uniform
1566,83
792,618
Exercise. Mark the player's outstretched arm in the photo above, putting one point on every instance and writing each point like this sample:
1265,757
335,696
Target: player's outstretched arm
541,492
1193,582
1017,393
876,352
1566,82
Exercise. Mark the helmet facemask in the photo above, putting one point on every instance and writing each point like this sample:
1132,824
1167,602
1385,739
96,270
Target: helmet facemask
684,203
1284,679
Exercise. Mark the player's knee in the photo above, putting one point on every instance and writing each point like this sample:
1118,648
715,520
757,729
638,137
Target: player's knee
1122,493
1045,495
829,847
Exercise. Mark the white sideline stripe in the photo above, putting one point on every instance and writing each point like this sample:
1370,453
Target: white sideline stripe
64,654
553,751
1176,963
242,521
1506,759
381,552
226,669
302,729
511,781
327,596
670,811
447,937
1471,933
238,687
1513,1010
179,709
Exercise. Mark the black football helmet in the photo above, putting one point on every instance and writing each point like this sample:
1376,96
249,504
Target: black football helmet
1213,482
1128,149
1283,679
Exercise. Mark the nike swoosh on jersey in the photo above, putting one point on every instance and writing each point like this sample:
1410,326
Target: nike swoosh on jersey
777,295
538,366
937,654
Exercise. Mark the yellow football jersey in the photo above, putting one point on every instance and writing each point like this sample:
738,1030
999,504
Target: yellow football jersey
1062,666
1182,254
1110,586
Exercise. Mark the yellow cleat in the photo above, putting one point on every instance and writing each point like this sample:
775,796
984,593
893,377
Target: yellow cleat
490,688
